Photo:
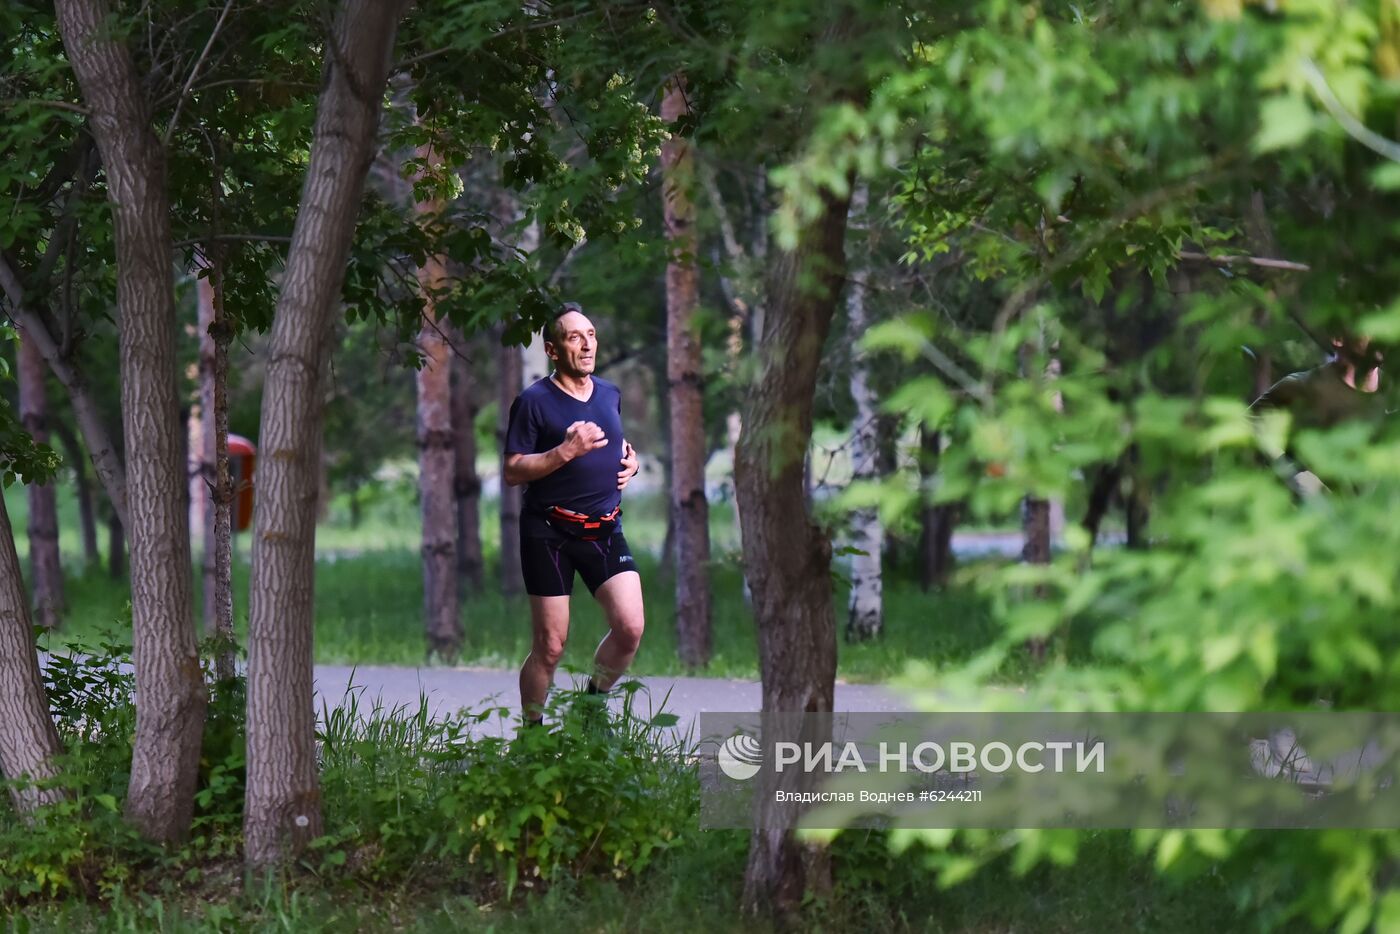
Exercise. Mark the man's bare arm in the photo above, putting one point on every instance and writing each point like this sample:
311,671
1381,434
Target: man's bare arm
527,468
579,439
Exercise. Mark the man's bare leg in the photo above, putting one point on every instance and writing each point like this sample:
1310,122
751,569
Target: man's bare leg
621,599
549,623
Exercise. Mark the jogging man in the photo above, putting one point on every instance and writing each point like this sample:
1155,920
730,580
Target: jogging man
1340,390
564,441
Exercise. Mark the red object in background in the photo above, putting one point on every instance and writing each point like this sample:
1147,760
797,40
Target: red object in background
241,457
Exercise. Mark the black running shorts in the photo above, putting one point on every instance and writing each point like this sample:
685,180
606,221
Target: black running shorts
549,562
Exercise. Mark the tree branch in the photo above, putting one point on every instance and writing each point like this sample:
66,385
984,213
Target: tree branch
1262,261
194,72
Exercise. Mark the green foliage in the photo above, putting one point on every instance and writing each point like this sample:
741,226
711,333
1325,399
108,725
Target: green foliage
408,794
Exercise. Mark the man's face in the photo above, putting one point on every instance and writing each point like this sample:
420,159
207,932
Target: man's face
575,345
1362,361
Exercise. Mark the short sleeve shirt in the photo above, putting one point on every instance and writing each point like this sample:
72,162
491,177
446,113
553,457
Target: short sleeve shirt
538,419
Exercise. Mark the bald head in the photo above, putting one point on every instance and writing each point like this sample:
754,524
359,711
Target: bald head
572,343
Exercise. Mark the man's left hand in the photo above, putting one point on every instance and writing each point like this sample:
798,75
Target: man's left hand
629,465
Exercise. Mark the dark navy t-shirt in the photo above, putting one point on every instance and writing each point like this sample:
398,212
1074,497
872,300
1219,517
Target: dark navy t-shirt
588,484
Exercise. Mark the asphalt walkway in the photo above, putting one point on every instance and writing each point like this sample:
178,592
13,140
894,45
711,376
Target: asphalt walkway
448,690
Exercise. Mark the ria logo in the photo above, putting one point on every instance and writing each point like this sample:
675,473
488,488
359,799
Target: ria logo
740,757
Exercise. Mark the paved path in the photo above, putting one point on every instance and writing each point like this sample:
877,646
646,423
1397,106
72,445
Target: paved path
449,689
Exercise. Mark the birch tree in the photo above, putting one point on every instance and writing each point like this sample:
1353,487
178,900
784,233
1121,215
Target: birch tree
865,612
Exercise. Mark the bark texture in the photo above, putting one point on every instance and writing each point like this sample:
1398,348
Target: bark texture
690,510
865,617
787,555
437,461
45,564
466,484
170,696
29,743
283,805
214,337
509,370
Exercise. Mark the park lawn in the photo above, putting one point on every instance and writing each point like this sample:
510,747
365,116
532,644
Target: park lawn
369,601
696,888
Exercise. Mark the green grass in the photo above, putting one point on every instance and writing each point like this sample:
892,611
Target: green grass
1109,888
369,599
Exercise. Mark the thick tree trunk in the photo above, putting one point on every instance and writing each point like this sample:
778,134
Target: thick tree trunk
82,491
466,484
512,584
787,556
865,613
689,508
283,806
29,744
45,563
437,461
170,695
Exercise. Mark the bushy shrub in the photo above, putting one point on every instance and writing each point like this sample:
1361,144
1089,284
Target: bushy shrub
406,792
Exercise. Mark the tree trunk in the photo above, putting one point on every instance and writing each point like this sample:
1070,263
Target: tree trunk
116,548
437,460
684,371
512,584
1103,484
466,484
82,490
1139,498
215,333
1035,527
518,368
170,694
788,557
865,613
659,366
283,806
29,744
102,448
45,563
936,520
202,493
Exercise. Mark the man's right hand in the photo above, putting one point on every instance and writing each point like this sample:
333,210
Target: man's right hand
581,438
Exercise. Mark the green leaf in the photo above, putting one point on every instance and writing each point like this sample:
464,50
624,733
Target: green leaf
1285,121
